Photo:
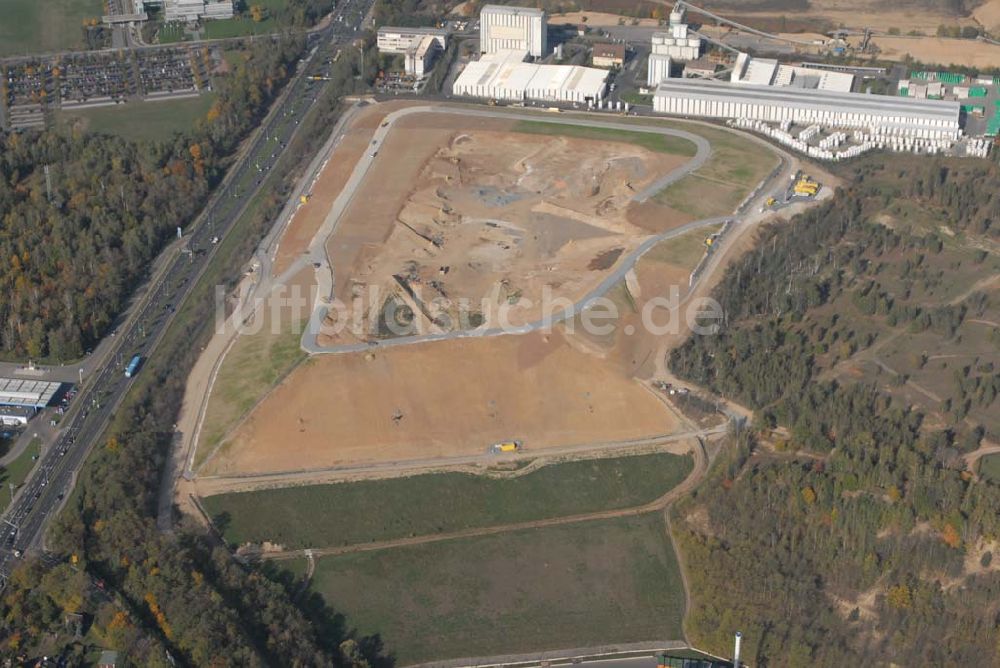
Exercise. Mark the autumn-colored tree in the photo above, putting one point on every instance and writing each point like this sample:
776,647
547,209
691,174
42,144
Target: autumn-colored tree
950,536
899,597
808,495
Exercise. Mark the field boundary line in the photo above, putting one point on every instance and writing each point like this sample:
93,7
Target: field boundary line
440,464
698,470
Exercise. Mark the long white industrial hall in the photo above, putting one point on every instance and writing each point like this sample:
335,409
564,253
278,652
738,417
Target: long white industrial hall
881,115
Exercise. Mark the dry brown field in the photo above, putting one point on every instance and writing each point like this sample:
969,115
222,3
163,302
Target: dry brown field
437,400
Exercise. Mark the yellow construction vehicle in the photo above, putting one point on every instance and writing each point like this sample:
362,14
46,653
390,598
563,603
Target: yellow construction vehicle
806,186
303,198
506,446
771,201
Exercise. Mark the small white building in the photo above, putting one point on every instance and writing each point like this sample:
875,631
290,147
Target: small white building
420,58
503,28
399,40
420,46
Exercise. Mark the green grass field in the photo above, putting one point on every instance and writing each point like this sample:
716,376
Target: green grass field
252,367
647,140
244,25
736,166
170,33
685,251
40,26
349,513
989,468
139,121
17,472
578,585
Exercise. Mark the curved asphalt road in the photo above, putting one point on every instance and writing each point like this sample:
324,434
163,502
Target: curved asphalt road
317,255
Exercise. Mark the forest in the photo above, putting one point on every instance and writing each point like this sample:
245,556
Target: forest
72,257
179,599
842,527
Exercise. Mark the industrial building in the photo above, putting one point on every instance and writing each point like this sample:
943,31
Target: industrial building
398,40
702,68
20,398
503,28
669,46
503,75
419,46
657,69
768,72
677,43
188,10
880,116
609,55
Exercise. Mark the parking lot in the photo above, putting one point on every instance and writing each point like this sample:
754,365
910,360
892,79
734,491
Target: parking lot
32,88
93,79
25,93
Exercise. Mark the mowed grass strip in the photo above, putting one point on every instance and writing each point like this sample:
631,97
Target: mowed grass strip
649,140
155,120
735,167
15,473
372,510
579,585
249,370
245,25
684,251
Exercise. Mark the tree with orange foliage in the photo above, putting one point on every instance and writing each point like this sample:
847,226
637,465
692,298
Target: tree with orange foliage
950,536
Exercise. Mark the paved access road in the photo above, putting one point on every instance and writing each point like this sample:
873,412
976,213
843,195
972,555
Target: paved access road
25,520
317,255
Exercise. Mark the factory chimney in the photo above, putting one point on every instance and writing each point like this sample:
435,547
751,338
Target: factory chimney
736,650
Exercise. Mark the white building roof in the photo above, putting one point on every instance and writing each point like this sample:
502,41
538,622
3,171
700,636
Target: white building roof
30,393
509,9
768,72
821,100
506,75
394,30
760,71
584,81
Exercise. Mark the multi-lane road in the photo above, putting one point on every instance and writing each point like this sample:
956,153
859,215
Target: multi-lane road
26,518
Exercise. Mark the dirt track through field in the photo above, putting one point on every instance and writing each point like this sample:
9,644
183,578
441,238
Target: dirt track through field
689,483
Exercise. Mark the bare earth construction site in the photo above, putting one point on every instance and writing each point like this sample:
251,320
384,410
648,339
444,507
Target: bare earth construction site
468,248
496,216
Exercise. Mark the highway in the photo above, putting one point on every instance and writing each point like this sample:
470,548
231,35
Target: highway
25,520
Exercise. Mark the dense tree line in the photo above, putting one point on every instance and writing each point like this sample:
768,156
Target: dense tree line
150,594
70,261
852,535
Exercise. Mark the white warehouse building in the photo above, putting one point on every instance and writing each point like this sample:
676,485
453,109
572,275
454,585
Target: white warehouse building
504,76
881,115
503,28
